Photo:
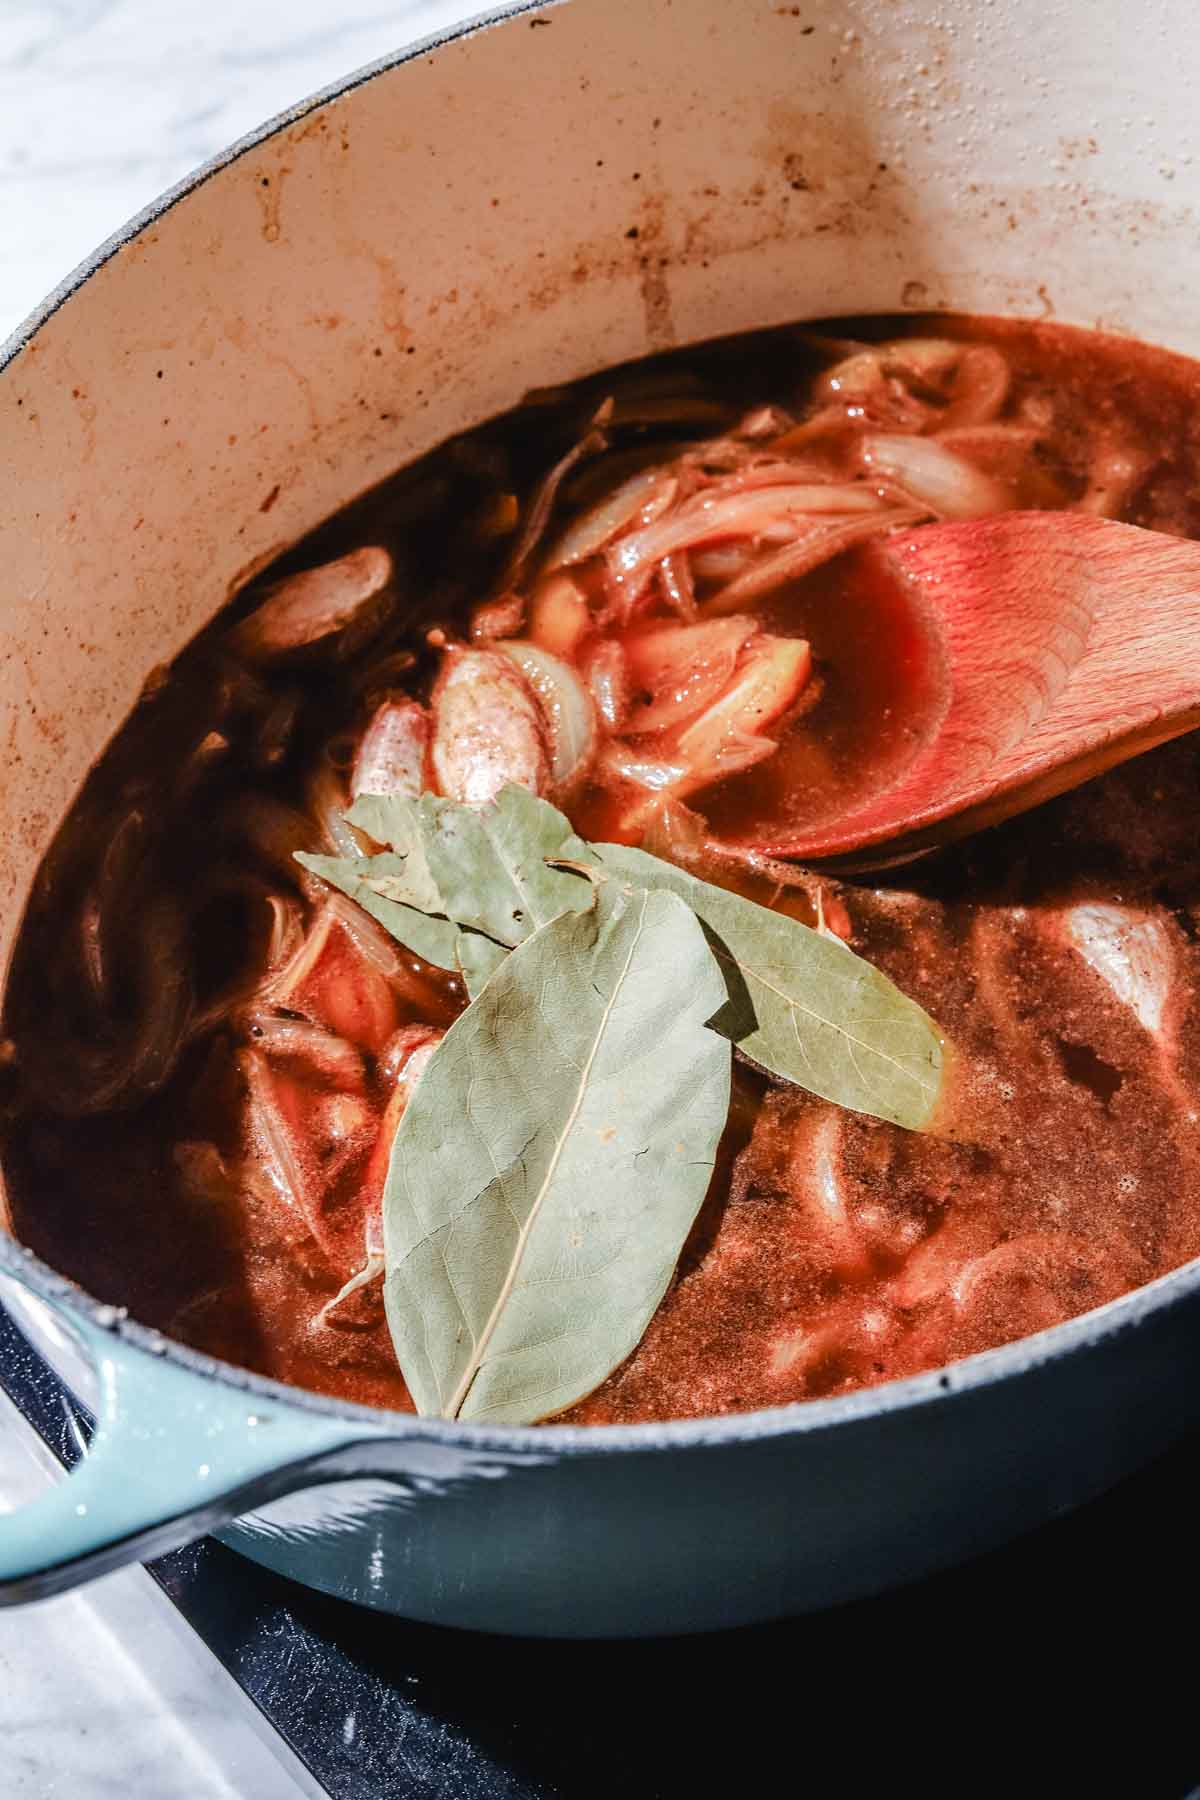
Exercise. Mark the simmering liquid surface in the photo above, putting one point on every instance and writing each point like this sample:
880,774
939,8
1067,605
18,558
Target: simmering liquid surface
1059,953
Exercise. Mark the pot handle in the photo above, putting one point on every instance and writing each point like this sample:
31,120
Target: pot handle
174,1456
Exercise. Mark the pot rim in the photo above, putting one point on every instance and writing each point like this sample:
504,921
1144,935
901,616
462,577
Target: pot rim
154,210
1022,1356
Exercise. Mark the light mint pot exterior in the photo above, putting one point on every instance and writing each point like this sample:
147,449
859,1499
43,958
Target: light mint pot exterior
391,262
576,1532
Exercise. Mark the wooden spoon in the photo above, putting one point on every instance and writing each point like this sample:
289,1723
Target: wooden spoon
1068,644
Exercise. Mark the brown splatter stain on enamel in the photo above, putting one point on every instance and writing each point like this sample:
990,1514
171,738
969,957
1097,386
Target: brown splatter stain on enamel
315,125
653,261
263,345
269,189
393,293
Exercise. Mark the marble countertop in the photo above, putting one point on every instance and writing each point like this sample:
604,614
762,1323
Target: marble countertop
107,1691
103,104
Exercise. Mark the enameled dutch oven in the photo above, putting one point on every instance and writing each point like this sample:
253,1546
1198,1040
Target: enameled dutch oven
533,198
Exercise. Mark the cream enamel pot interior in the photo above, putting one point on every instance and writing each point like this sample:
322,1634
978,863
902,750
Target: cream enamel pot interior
555,191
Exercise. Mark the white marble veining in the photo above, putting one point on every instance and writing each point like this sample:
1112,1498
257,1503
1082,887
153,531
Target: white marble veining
107,1691
103,104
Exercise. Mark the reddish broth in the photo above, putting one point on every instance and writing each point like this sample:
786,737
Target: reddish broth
1059,953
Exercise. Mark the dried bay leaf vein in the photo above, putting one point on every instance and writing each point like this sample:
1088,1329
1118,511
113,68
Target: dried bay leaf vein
795,1004
796,997
532,1231
472,1369
897,1074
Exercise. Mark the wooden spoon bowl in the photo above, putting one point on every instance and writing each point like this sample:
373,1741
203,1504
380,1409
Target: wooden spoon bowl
1068,644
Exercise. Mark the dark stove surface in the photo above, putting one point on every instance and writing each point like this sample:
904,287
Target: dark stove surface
1064,1666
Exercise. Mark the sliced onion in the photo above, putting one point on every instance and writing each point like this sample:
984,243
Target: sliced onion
286,931
290,975
857,378
391,756
592,485
1132,955
669,783
675,579
499,618
718,456
835,427
333,1057
721,562
268,1128
408,1058
417,1046
327,801
1007,454
769,682
725,740
396,1052
608,680
1040,1278
315,605
816,1179
1000,450
284,936
764,422
906,383
819,544
97,1062
541,505
643,497
933,475
558,615
817,491
979,389
489,728
678,835
1117,469
872,387
715,513
682,669
628,764
373,1267
105,908
376,945
731,754
930,361
352,982
567,705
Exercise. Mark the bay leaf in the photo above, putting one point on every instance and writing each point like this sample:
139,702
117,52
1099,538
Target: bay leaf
799,1002
488,862
551,1161
482,868
394,820
374,881
478,959
803,1005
